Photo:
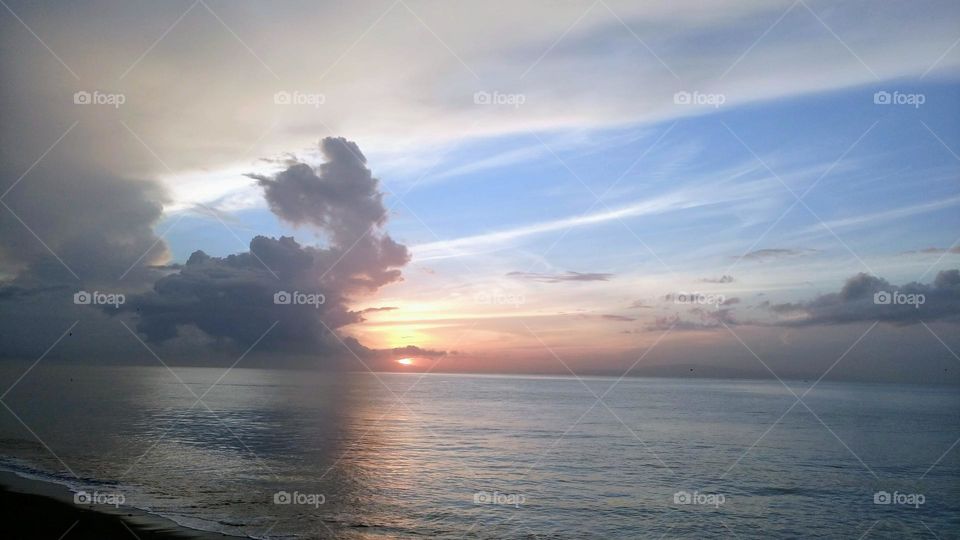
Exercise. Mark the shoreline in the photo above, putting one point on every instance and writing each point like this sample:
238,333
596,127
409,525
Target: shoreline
38,509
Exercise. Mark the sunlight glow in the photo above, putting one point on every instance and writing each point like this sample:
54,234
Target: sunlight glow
405,361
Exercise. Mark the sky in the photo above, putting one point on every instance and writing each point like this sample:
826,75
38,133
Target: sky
758,188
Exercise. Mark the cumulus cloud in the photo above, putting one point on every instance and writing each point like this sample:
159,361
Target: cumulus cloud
340,197
306,290
869,298
101,229
561,277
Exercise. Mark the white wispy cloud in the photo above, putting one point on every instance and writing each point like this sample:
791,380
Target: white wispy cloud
687,198
390,86
871,218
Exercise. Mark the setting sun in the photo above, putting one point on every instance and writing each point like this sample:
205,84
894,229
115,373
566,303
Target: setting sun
405,361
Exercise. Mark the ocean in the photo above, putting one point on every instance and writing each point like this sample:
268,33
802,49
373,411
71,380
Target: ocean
295,454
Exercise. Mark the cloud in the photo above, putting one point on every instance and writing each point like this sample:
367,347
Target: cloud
375,309
306,290
869,298
503,159
879,217
702,319
409,350
67,227
562,277
420,95
340,197
101,227
704,195
764,255
233,297
94,228
620,318
722,279
932,251
639,304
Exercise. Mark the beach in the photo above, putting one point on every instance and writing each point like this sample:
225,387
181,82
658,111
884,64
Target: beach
38,510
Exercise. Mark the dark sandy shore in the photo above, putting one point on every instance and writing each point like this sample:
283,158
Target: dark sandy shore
35,510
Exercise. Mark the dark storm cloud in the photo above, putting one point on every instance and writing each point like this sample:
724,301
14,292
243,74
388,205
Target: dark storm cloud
562,277
868,298
80,231
763,255
100,227
340,197
234,297
307,289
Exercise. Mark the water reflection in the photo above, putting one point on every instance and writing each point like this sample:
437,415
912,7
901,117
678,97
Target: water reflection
415,468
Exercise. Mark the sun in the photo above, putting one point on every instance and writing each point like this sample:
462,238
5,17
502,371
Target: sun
405,361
